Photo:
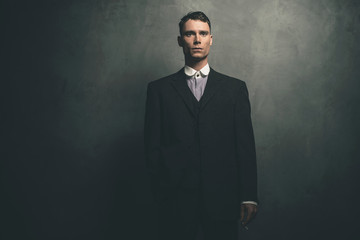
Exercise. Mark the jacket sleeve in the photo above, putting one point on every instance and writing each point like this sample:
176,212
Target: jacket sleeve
152,129
245,144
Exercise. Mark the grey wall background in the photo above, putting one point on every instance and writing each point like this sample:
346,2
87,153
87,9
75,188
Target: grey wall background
74,76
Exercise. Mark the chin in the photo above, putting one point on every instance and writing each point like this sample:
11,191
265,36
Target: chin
198,55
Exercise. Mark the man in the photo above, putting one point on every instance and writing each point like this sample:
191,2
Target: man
199,144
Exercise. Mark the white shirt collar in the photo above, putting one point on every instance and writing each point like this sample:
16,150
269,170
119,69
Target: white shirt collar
191,72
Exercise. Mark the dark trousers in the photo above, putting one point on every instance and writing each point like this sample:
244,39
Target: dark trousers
182,215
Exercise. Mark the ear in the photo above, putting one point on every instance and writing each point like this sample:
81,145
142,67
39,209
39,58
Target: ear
211,38
180,41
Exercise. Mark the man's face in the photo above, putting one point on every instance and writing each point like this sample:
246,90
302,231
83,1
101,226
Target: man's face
195,40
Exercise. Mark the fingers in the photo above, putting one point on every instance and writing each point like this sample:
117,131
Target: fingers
242,212
251,211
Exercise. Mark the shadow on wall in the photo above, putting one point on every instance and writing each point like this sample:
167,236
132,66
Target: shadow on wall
54,191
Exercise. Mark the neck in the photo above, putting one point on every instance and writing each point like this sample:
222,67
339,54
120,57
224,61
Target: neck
195,64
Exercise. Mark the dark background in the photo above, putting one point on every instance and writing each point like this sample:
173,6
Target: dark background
73,87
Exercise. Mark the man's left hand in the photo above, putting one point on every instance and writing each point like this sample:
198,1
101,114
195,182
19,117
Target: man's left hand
248,210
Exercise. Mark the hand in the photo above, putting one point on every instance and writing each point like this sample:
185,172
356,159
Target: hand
248,210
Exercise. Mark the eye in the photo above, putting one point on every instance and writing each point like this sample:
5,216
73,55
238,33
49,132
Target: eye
203,34
189,34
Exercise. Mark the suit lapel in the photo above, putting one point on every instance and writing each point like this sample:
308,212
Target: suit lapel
179,82
212,85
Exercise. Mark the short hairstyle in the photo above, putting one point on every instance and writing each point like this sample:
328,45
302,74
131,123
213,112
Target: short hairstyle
194,16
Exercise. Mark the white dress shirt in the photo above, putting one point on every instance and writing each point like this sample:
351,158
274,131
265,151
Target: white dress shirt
196,80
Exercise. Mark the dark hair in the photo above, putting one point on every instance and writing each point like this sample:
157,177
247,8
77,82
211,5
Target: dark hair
194,16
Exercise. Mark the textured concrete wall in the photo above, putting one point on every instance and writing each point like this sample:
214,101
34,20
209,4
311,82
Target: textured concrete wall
75,75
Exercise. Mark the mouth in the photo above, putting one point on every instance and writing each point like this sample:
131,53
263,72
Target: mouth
196,49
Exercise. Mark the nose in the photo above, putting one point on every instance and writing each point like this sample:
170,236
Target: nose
197,39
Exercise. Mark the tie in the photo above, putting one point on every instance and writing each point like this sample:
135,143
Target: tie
197,91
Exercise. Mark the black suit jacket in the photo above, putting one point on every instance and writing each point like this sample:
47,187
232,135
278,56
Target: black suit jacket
208,145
